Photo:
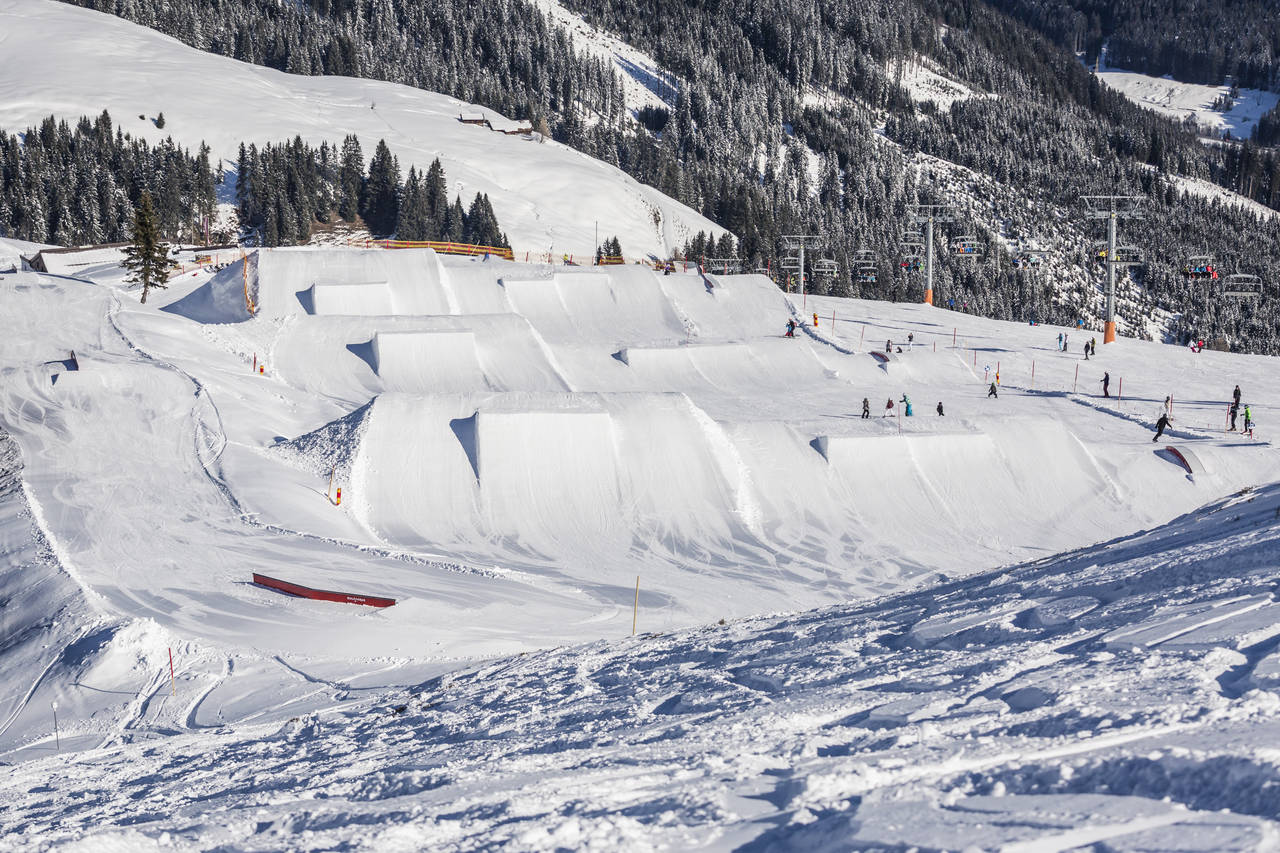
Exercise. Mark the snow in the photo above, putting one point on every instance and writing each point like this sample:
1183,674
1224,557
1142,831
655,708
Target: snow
925,84
547,197
1023,625
1194,101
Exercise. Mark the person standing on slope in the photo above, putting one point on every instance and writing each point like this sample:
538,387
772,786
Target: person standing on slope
940,412
1106,384
1160,425
1059,341
992,392
906,401
791,328
1086,350
1235,395
866,408
888,408
1093,346
1248,422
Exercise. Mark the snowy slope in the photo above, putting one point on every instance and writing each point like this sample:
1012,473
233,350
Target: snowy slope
547,197
1192,101
1124,697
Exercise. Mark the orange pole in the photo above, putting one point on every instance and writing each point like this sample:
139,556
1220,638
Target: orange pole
1109,333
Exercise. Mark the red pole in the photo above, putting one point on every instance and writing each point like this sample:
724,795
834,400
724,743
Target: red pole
1033,373
1076,380
953,338
935,346
255,362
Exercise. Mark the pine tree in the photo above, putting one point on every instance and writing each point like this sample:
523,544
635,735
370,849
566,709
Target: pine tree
413,223
350,179
381,202
147,259
436,196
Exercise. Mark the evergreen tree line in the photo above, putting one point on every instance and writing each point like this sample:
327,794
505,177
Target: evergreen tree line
74,186
284,190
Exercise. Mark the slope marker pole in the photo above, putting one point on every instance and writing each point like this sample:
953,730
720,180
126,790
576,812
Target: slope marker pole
635,608
173,690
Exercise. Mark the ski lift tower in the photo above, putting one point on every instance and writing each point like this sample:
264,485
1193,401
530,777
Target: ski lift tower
1112,208
798,243
926,215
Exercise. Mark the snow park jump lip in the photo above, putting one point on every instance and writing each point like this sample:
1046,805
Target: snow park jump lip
321,594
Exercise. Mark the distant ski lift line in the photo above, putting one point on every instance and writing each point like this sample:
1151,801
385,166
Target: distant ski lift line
1244,285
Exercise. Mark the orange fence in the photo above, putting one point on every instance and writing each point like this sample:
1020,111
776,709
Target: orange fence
442,248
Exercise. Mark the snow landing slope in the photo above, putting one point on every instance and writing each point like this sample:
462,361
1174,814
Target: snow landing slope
1124,697
547,197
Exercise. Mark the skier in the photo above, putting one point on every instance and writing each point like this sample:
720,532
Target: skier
866,408
907,402
1248,422
1106,384
991,392
940,412
1160,425
791,328
888,408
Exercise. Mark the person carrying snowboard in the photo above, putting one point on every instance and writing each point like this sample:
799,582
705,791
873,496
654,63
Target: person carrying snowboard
992,392
1106,384
866,408
1160,425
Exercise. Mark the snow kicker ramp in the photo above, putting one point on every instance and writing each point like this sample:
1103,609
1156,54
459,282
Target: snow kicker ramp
623,304
362,282
355,358
545,475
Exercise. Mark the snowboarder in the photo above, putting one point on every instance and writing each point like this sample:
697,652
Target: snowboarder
791,328
1093,346
1235,395
907,402
866,408
888,408
992,392
1233,412
940,412
1160,425
1064,342
1059,341
1106,384
1168,404
911,337
1086,350
888,346
1248,422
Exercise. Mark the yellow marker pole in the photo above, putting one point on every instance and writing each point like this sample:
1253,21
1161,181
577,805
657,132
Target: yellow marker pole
635,609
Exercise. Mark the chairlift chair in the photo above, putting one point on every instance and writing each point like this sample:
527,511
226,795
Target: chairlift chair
1200,266
864,265
1242,285
1126,256
967,246
912,252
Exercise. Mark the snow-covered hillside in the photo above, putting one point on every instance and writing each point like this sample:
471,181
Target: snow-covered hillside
547,196
1192,101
